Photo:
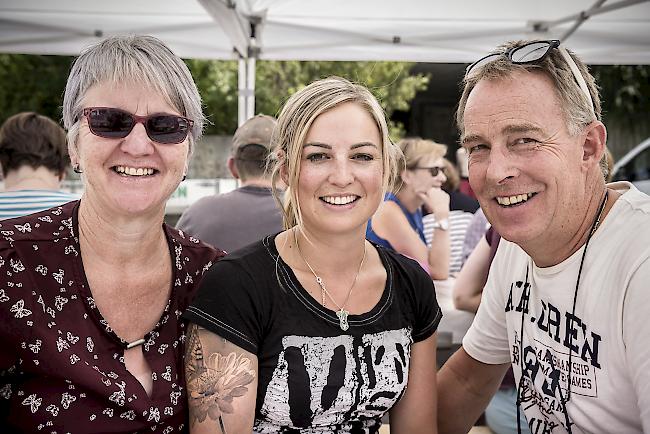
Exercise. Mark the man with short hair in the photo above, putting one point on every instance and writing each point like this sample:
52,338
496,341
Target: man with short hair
566,301
237,218
34,159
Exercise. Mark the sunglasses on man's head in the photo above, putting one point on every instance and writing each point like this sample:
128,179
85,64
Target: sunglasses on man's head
434,171
113,123
536,52
528,53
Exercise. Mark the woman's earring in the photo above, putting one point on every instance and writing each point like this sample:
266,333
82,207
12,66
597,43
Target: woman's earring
77,169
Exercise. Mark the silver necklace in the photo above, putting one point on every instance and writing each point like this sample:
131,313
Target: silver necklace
341,313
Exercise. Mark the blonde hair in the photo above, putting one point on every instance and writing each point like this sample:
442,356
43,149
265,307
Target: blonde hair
415,149
294,122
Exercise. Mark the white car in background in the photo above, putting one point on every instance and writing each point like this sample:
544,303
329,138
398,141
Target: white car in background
635,167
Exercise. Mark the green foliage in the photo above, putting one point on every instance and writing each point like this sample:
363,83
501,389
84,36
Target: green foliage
625,90
32,83
217,84
36,83
277,80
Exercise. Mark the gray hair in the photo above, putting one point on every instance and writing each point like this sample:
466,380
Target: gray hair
575,106
294,122
139,59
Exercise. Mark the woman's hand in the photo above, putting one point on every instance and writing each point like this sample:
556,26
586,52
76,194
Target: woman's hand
436,200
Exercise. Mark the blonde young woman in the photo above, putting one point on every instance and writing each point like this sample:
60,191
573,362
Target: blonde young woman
316,330
398,223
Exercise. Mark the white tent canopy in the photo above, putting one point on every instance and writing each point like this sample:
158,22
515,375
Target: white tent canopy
601,32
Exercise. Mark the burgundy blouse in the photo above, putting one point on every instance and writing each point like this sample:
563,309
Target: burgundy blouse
61,365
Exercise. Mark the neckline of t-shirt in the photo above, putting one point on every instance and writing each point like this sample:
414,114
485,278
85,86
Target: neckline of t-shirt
256,189
84,288
328,314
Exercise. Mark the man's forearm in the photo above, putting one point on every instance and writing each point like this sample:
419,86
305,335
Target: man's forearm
465,387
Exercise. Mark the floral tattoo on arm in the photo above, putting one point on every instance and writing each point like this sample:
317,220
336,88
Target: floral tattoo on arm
214,380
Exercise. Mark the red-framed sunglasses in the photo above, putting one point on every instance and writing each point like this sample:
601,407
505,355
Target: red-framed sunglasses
114,123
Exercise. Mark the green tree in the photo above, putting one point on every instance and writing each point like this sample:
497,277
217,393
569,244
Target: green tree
625,89
32,83
277,80
36,83
217,84
625,96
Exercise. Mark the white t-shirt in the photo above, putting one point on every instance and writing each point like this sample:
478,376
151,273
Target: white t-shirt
610,379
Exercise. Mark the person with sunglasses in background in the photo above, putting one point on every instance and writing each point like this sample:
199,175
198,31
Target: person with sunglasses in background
91,292
566,300
398,225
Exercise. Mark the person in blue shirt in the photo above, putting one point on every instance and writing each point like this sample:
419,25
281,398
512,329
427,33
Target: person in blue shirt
397,224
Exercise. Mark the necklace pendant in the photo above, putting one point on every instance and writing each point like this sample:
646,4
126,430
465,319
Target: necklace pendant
343,319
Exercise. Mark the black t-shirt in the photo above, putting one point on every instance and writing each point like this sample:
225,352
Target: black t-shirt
311,373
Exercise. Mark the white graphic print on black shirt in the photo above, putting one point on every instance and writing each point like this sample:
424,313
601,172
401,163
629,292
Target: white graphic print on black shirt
335,374
313,377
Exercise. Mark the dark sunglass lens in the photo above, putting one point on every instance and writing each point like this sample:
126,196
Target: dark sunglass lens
110,123
530,52
167,129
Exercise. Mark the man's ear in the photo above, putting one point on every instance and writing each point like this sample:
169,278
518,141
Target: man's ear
593,147
233,168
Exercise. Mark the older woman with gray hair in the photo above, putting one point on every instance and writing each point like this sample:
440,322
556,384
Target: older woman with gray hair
91,292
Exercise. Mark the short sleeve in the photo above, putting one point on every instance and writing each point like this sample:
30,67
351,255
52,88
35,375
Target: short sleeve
230,305
425,305
636,329
487,338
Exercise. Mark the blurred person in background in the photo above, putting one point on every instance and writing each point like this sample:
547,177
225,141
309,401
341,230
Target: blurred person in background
461,160
34,160
235,219
461,213
458,201
398,224
91,293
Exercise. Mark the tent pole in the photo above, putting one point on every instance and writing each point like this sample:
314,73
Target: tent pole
545,26
246,85
241,100
250,87
583,17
